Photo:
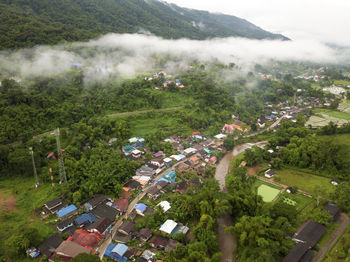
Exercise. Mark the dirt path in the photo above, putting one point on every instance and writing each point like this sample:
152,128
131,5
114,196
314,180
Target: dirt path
7,203
344,221
144,111
227,242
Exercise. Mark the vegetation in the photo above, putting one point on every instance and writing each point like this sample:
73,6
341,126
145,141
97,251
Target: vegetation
36,22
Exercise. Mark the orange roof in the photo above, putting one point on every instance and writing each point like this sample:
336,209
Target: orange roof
127,189
194,159
196,133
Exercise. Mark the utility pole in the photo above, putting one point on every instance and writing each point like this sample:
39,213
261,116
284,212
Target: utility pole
62,171
31,152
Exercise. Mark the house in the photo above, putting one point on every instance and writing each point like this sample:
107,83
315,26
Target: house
289,190
100,226
154,192
121,205
299,253
127,228
67,212
136,153
131,253
144,234
48,247
121,238
213,160
143,180
135,139
178,146
168,161
181,167
161,184
113,252
180,229
196,182
86,239
131,185
148,255
168,226
146,171
171,245
170,176
269,173
190,151
157,162
181,187
103,210
220,136
54,205
165,205
335,182
63,225
194,160
85,219
127,150
158,242
94,202
159,154
309,233
69,250
333,211
140,208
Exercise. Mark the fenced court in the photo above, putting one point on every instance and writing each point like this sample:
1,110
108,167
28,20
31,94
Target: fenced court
268,193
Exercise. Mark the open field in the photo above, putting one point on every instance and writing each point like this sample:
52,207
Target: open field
305,181
324,116
338,253
344,106
268,193
21,214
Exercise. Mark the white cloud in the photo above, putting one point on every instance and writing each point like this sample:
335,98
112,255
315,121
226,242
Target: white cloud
322,20
129,54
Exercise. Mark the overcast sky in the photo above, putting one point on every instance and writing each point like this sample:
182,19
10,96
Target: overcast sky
324,20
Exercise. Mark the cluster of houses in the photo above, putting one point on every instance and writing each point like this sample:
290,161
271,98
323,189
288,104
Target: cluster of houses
162,75
308,235
84,230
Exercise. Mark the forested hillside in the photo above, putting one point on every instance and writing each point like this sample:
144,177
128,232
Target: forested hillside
28,23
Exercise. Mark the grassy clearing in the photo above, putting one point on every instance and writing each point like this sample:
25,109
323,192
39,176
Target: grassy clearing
330,230
260,182
338,252
341,82
323,116
145,124
333,113
305,181
301,200
28,199
341,139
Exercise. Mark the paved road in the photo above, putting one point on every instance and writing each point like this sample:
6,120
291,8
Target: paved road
227,242
144,111
344,221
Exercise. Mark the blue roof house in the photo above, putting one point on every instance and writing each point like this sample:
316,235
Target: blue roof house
127,150
67,212
115,256
85,219
140,208
170,176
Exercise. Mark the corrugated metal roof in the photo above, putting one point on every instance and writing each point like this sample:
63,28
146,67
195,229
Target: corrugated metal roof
66,210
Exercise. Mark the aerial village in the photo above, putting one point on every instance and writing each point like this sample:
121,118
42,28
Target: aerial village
107,227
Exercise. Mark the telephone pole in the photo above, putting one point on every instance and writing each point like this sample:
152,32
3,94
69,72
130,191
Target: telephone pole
31,152
62,171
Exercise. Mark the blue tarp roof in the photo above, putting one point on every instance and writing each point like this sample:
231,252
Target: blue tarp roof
66,210
128,148
181,156
110,254
86,217
197,136
161,179
170,176
140,206
120,249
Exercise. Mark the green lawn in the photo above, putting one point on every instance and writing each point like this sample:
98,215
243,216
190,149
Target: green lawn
342,139
268,193
341,82
304,181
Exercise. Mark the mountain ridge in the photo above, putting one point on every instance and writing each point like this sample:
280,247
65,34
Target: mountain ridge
29,23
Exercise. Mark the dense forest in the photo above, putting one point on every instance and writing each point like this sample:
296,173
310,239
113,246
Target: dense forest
29,23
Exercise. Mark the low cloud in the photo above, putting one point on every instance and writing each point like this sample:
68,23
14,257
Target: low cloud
129,54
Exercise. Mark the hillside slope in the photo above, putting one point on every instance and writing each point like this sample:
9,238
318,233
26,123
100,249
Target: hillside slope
26,23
